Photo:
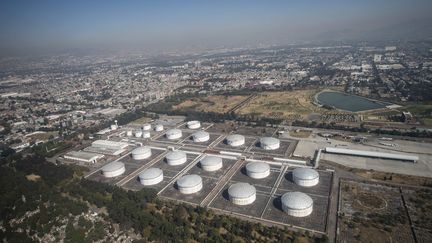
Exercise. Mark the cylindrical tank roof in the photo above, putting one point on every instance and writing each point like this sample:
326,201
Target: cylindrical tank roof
141,150
269,140
305,173
150,173
113,166
241,190
189,181
173,131
193,124
257,167
235,137
200,134
158,127
296,200
210,160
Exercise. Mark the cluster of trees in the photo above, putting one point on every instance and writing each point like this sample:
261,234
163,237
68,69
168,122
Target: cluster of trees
50,148
58,193
30,184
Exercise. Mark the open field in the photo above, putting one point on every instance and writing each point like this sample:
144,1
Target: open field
43,135
422,111
142,120
372,213
289,105
418,109
216,103
300,133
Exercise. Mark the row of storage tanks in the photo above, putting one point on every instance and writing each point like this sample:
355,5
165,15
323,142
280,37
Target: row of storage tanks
296,204
174,133
234,140
267,143
144,132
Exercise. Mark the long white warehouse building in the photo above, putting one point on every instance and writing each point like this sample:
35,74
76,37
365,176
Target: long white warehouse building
83,156
109,144
372,154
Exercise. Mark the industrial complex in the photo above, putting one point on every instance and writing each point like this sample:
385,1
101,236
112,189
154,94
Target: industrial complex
261,178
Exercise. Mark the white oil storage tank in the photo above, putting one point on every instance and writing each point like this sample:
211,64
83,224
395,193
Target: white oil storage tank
235,140
211,163
200,136
173,134
141,153
146,134
151,176
242,193
138,133
189,184
297,204
159,127
193,124
176,157
146,127
269,143
306,177
257,170
113,169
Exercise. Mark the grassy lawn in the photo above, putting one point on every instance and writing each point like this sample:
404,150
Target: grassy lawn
43,135
419,109
142,120
288,105
427,121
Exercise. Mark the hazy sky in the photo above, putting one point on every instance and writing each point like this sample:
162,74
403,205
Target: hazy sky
158,24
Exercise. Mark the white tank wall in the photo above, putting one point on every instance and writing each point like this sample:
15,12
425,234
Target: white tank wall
258,175
146,127
193,124
138,134
177,160
212,167
153,181
297,212
235,142
114,173
141,156
306,183
243,201
270,146
204,137
146,134
269,143
190,190
159,127
175,135
257,170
